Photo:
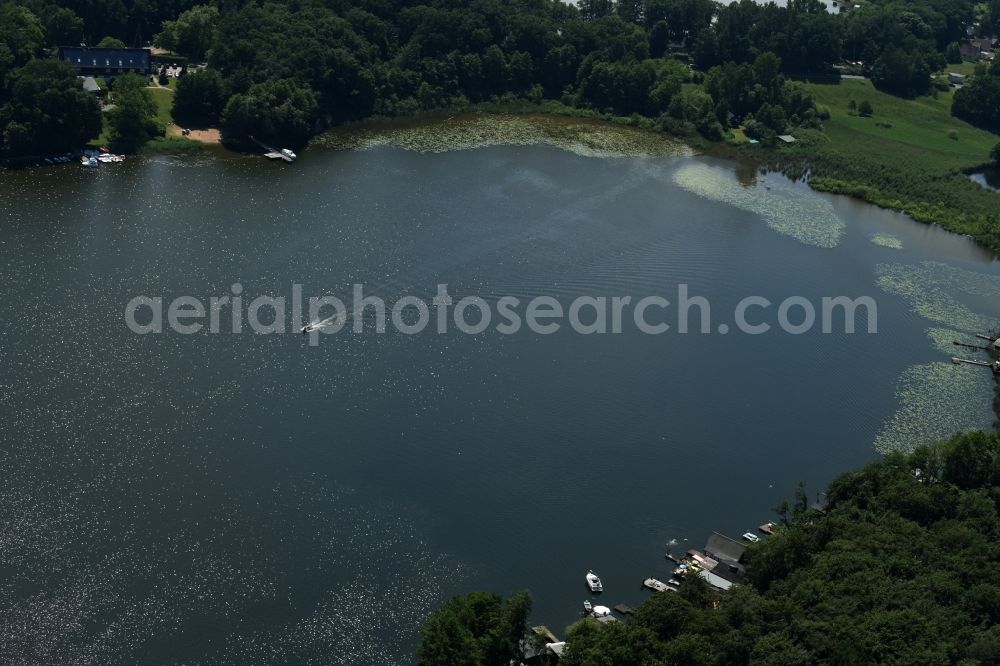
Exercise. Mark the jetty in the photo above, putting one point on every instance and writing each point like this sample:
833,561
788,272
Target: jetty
656,585
964,344
994,366
273,153
546,633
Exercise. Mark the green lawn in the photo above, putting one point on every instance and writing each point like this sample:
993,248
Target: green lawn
918,132
164,98
965,67
902,158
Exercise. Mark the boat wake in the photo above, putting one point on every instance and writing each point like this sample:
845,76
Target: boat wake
322,323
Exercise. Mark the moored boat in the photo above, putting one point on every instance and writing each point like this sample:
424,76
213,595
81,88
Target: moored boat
594,582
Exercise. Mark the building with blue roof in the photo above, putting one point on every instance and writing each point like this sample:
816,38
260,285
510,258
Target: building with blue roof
107,62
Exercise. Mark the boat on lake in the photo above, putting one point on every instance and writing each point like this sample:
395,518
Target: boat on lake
587,607
594,582
89,162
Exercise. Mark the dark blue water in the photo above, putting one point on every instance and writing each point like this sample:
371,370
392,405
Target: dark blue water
253,499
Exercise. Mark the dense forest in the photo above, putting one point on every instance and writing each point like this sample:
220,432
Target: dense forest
903,568
285,70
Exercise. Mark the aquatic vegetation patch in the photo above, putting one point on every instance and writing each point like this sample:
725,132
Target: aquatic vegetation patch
936,400
583,137
931,288
790,210
944,339
887,240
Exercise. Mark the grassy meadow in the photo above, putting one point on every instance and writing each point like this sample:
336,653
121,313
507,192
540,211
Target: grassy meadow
918,130
910,155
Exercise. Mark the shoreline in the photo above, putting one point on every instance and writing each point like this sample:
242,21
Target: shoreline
822,172
804,160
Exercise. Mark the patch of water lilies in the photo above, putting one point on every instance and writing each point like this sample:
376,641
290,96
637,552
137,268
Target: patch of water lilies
932,289
944,339
887,240
788,209
936,400
583,137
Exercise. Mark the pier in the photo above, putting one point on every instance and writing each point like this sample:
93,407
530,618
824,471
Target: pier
273,153
656,585
992,339
994,366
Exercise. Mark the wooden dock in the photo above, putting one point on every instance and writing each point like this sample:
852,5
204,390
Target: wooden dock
963,344
545,633
656,585
624,610
273,153
994,366
277,156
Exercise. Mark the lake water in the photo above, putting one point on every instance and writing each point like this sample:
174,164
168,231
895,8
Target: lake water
254,499
990,179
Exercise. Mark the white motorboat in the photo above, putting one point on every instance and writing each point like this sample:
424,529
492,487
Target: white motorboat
89,162
751,537
288,154
587,607
594,582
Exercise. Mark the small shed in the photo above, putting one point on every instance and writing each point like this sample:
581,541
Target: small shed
90,84
956,78
787,138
